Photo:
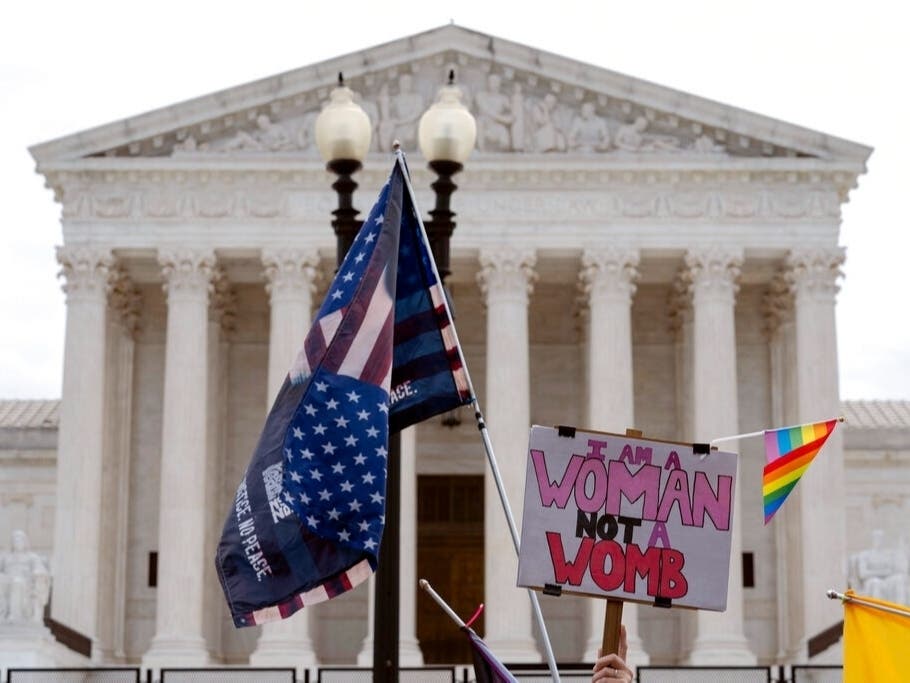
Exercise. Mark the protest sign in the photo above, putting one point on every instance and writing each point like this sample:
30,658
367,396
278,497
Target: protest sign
627,518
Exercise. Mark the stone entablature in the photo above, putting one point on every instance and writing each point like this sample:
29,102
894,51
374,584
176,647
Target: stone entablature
501,196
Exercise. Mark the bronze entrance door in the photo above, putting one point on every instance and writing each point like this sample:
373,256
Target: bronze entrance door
450,557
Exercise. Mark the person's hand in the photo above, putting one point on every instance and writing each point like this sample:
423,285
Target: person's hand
613,667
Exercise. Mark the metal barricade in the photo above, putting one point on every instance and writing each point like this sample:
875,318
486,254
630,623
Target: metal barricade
228,675
72,675
704,674
801,673
406,674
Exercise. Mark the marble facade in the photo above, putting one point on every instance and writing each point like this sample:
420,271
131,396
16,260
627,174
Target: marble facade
625,255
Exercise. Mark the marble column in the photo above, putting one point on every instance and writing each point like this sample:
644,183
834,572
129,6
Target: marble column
80,447
291,279
720,636
777,308
125,304
183,564
409,653
813,276
608,278
506,277
291,276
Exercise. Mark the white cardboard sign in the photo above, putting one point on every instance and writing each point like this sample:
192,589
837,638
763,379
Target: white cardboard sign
632,519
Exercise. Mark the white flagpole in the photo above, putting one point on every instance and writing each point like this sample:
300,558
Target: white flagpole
834,595
442,603
481,425
759,433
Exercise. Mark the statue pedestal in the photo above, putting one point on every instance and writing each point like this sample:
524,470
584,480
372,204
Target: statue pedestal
26,646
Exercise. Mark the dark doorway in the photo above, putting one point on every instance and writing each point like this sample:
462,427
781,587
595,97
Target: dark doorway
450,557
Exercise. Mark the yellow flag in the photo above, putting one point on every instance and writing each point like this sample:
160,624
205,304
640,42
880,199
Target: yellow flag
876,641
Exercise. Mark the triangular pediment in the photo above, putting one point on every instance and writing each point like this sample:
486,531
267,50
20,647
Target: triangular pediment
525,101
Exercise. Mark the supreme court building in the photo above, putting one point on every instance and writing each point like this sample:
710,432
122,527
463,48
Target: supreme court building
626,255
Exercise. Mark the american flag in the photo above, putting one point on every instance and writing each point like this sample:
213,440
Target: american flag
382,354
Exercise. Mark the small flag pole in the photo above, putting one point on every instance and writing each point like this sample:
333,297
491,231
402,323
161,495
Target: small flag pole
759,433
843,597
442,603
485,436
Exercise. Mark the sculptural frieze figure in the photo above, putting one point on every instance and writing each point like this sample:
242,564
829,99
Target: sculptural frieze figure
705,145
400,114
268,136
632,137
547,136
495,117
589,132
24,583
880,572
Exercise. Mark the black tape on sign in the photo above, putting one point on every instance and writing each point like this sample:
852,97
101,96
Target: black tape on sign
568,432
552,589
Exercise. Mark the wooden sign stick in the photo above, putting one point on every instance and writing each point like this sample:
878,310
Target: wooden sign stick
612,622
613,617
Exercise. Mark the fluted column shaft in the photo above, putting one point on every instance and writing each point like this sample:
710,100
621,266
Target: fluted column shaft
291,277
780,327
81,439
813,276
608,278
720,636
182,562
409,653
506,278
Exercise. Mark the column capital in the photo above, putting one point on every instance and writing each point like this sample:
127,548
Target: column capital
187,271
224,301
125,300
290,271
609,272
815,272
713,272
507,272
679,301
87,270
777,304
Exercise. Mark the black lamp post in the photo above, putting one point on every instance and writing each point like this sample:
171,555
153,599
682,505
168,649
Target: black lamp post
446,137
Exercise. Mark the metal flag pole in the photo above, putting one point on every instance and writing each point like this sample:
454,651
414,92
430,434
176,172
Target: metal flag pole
481,425
843,597
759,433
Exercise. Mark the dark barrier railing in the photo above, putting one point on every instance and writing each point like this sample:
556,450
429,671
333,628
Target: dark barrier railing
527,673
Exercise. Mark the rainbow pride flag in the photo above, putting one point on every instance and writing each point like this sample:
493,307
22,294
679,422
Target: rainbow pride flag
789,451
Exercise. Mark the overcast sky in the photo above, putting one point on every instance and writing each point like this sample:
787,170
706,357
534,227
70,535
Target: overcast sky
836,67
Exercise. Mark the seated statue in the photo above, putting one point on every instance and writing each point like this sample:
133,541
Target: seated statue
879,572
589,131
24,583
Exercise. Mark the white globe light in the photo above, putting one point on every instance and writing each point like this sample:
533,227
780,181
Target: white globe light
447,130
343,129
